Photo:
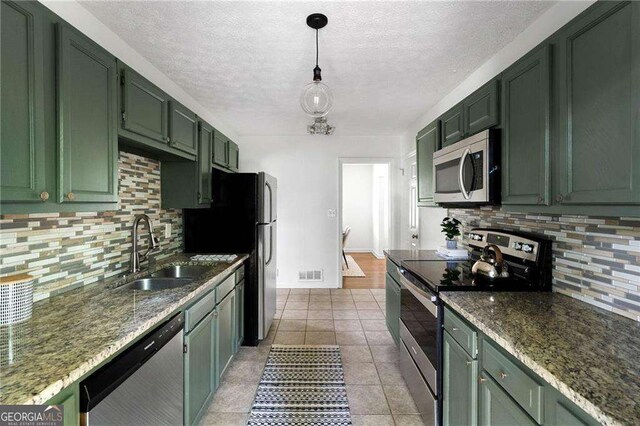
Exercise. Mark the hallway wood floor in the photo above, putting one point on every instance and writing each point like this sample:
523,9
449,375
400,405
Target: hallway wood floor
373,268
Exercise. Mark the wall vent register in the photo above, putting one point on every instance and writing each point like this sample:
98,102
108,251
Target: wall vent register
316,275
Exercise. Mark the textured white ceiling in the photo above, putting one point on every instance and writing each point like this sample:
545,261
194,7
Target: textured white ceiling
387,62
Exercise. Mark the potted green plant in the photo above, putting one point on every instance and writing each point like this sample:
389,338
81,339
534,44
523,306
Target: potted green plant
451,229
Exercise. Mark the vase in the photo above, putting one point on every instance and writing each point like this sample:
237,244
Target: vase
452,244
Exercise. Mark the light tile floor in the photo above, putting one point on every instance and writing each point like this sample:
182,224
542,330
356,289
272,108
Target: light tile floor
353,319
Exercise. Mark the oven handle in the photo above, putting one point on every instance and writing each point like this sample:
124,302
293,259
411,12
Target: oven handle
427,299
465,194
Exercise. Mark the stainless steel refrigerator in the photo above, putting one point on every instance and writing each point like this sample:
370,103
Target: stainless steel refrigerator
242,219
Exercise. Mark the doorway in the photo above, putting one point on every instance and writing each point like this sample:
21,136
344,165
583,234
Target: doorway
365,220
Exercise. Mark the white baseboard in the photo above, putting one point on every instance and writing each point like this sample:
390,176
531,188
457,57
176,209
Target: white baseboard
365,250
310,284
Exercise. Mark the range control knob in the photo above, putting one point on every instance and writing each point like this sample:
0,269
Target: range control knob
517,245
527,248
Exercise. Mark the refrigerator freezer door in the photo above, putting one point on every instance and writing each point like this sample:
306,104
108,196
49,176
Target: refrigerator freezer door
266,277
267,196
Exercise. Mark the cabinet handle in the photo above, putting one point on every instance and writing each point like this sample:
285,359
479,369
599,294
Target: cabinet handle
559,197
199,196
455,329
540,199
503,375
44,195
71,196
482,379
469,362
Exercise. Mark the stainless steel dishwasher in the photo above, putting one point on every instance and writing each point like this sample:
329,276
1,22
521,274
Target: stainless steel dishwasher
141,386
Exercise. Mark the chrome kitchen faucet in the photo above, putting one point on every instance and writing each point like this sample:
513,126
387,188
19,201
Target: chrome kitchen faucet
136,257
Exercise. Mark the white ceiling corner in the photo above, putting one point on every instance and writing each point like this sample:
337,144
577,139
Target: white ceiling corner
387,62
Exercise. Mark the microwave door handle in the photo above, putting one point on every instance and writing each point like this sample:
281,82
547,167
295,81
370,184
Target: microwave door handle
465,194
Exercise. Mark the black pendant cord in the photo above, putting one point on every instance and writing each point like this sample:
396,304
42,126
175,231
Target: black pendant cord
316,47
316,71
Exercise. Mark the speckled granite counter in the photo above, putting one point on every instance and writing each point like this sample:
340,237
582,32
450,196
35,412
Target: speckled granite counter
590,355
70,334
399,255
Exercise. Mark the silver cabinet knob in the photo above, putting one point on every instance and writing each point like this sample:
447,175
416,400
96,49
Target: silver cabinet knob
503,375
71,196
559,198
44,195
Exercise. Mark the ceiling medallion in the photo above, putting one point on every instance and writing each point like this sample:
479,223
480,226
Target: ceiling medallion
316,98
320,127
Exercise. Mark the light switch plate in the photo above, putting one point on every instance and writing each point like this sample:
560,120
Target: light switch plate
167,231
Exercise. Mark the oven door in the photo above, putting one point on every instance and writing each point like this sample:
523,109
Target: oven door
419,354
460,173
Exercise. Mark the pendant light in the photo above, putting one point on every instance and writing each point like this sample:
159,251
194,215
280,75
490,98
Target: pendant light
316,99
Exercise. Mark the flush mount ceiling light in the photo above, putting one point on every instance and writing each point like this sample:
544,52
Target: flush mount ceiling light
316,99
320,127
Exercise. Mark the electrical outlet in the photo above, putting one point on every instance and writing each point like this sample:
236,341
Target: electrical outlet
167,231
331,213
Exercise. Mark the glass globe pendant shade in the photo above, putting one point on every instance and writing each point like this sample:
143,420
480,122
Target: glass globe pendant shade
316,99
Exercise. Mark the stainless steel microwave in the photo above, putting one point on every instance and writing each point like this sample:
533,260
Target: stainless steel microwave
468,172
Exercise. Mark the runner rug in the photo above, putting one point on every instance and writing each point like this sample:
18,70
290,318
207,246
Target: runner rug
302,385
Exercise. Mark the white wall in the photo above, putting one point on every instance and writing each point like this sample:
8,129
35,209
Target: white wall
307,171
548,23
76,15
357,202
380,209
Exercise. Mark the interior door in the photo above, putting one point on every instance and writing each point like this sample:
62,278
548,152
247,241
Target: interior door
411,211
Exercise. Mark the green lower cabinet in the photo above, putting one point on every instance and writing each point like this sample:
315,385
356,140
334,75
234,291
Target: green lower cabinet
239,314
497,408
460,386
427,142
87,120
526,103
199,368
225,333
562,412
22,143
392,302
69,398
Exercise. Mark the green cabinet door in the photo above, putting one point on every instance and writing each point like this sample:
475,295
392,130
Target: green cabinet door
426,144
220,152
225,333
497,408
452,126
526,102
392,304
205,153
22,172
69,398
199,369
481,109
239,314
234,156
183,128
559,411
459,385
598,60
87,120
145,108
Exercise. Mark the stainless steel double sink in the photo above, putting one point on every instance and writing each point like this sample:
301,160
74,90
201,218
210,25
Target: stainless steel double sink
168,277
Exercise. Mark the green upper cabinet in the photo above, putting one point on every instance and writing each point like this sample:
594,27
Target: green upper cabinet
526,102
481,109
234,156
145,108
598,93
199,368
183,128
452,126
459,387
220,152
22,175
205,153
87,120
426,144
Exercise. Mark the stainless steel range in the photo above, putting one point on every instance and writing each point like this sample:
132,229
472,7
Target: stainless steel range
524,264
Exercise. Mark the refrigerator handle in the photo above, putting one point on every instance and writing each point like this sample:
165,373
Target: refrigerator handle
270,246
270,201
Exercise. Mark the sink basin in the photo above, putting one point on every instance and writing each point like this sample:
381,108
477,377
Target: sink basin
181,271
150,284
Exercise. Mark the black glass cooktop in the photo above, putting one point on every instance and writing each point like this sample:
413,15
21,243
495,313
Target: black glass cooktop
448,275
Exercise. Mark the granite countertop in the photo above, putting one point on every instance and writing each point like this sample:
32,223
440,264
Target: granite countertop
70,334
588,354
400,255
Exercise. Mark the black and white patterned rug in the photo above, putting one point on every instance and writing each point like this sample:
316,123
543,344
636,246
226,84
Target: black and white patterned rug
301,385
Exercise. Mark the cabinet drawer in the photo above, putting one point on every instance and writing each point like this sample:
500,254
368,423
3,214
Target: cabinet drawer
199,310
392,269
425,401
462,333
519,385
225,287
240,274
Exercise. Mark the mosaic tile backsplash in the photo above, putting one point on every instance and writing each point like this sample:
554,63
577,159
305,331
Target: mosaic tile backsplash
67,250
595,259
